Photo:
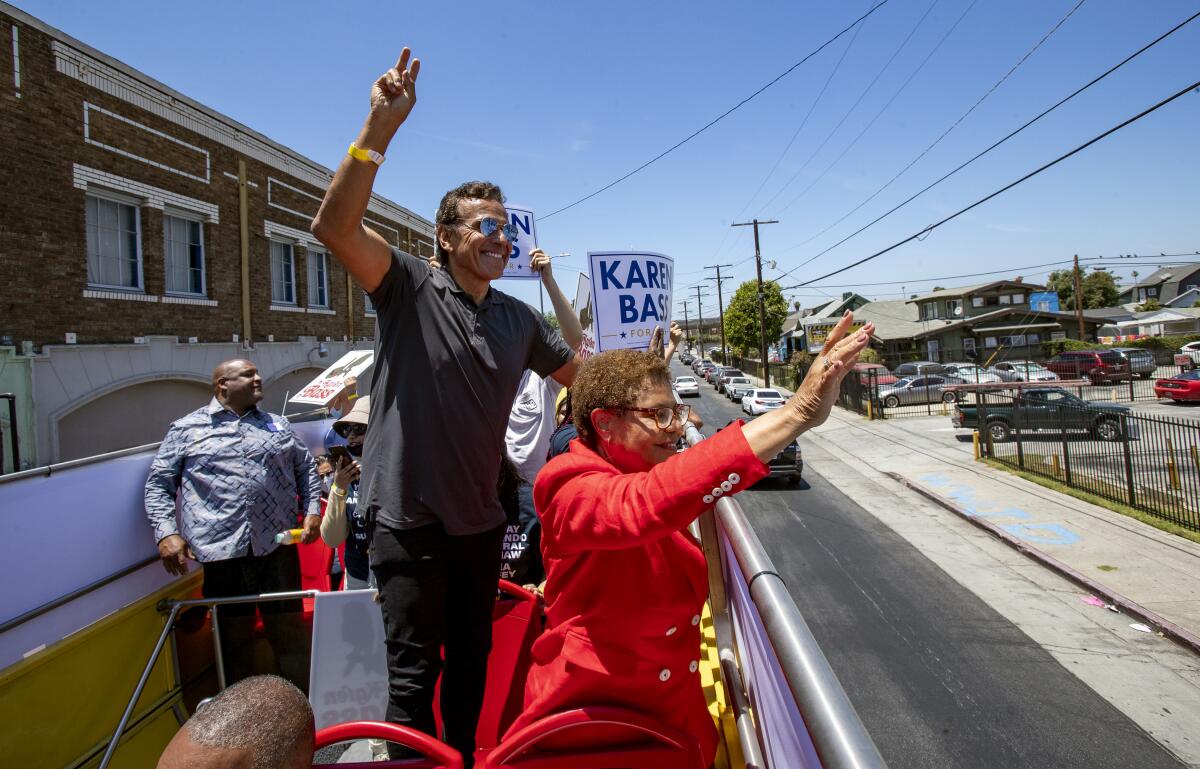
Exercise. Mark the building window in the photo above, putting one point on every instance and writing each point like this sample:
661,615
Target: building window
318,278
368,307
114,243
184,246
283,273
1005,299
977,301
968,345
1031,339
954,307
1018,299
1153,291
929,311
989,341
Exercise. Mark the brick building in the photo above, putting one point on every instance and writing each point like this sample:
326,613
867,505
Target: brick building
145,237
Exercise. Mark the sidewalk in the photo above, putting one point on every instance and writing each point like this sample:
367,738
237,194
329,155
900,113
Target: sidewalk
1121,556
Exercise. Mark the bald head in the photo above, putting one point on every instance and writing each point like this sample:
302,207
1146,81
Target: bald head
237,385
262,722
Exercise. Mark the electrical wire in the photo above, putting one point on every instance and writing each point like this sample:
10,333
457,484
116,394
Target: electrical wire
1010,185
993,146
850,111
723,115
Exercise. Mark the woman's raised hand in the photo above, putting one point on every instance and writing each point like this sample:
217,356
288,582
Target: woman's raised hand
819,390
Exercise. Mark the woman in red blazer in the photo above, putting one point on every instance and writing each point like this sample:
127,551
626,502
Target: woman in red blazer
625,580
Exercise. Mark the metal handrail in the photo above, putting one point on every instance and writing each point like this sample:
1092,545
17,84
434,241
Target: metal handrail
172,607
838,734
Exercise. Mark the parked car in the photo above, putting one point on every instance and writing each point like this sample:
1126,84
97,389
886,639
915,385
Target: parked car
736,387
710,374
972,373
699,363
686,385
1045,408
1191,350
1140,360
703,369
787,464
686,358
1182,387
918,389
726,375
759,401
881,375
1023,371
1098,366
917,367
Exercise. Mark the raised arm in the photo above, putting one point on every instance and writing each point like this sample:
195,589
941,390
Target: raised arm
809,407
568,321
338,223
676,335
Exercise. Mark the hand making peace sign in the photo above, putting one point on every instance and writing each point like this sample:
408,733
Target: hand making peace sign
395,92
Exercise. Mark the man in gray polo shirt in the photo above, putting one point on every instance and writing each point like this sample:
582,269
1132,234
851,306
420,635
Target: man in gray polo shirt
449,354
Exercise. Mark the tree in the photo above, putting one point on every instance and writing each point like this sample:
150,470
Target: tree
552,319
1149,305
1099,288
741,316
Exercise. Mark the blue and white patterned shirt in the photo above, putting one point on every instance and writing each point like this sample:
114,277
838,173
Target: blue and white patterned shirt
243,480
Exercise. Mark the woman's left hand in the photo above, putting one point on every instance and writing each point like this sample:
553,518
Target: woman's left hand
819,390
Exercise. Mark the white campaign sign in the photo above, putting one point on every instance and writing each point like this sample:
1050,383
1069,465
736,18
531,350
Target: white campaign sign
348,678
322,390
518,261
583,308
631,294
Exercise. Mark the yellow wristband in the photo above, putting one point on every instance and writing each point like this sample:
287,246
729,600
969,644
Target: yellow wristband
366,156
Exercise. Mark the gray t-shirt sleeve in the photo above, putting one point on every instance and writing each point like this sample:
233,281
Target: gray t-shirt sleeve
398,285
549,352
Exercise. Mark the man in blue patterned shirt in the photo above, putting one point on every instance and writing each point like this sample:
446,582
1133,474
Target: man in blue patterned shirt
241,477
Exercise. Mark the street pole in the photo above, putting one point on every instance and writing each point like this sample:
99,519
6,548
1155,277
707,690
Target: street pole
721,309
1078,299
686,323
700,322
762,308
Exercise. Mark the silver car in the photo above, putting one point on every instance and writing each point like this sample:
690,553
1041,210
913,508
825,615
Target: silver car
972,373
737,387
918,389
761,401
1023,371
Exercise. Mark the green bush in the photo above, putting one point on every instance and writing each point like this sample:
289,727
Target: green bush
1170,343
1054,347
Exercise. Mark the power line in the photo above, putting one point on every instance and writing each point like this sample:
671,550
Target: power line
853,107
723,115
943,277
945,133
1010,185
994,145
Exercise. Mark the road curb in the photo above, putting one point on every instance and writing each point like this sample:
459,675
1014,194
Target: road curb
1168,629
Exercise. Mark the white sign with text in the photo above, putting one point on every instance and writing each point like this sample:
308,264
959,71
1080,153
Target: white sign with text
631,294
348,680
518,261
332,380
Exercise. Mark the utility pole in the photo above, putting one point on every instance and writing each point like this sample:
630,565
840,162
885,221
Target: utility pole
1078,299
762,308
686,323
720,309
700,323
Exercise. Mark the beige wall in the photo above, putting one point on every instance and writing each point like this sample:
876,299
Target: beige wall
131,416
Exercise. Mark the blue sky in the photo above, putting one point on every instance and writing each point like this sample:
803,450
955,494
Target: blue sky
553,100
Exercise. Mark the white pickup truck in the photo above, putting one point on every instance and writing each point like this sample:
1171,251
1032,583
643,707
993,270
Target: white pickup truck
1190,351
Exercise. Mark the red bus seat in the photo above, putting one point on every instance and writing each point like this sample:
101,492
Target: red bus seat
437,754
596,738
516,624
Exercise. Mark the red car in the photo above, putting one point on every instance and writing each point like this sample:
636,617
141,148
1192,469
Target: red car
882,375
1181,387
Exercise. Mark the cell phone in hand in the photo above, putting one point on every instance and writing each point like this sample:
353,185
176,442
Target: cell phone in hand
340,455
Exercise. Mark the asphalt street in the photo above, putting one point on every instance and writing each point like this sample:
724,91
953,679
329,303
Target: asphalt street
939,677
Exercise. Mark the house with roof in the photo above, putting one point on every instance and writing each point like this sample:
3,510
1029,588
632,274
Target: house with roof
796,329
1164,284
1162,322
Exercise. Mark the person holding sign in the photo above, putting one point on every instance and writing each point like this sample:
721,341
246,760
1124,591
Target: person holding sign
449,354
530,424
626,581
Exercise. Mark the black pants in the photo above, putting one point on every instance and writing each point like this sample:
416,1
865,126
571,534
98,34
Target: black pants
276,572
438,593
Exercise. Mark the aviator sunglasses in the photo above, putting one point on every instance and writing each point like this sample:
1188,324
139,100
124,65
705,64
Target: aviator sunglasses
487,227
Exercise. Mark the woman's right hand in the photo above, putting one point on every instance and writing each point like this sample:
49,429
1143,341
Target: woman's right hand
346,474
